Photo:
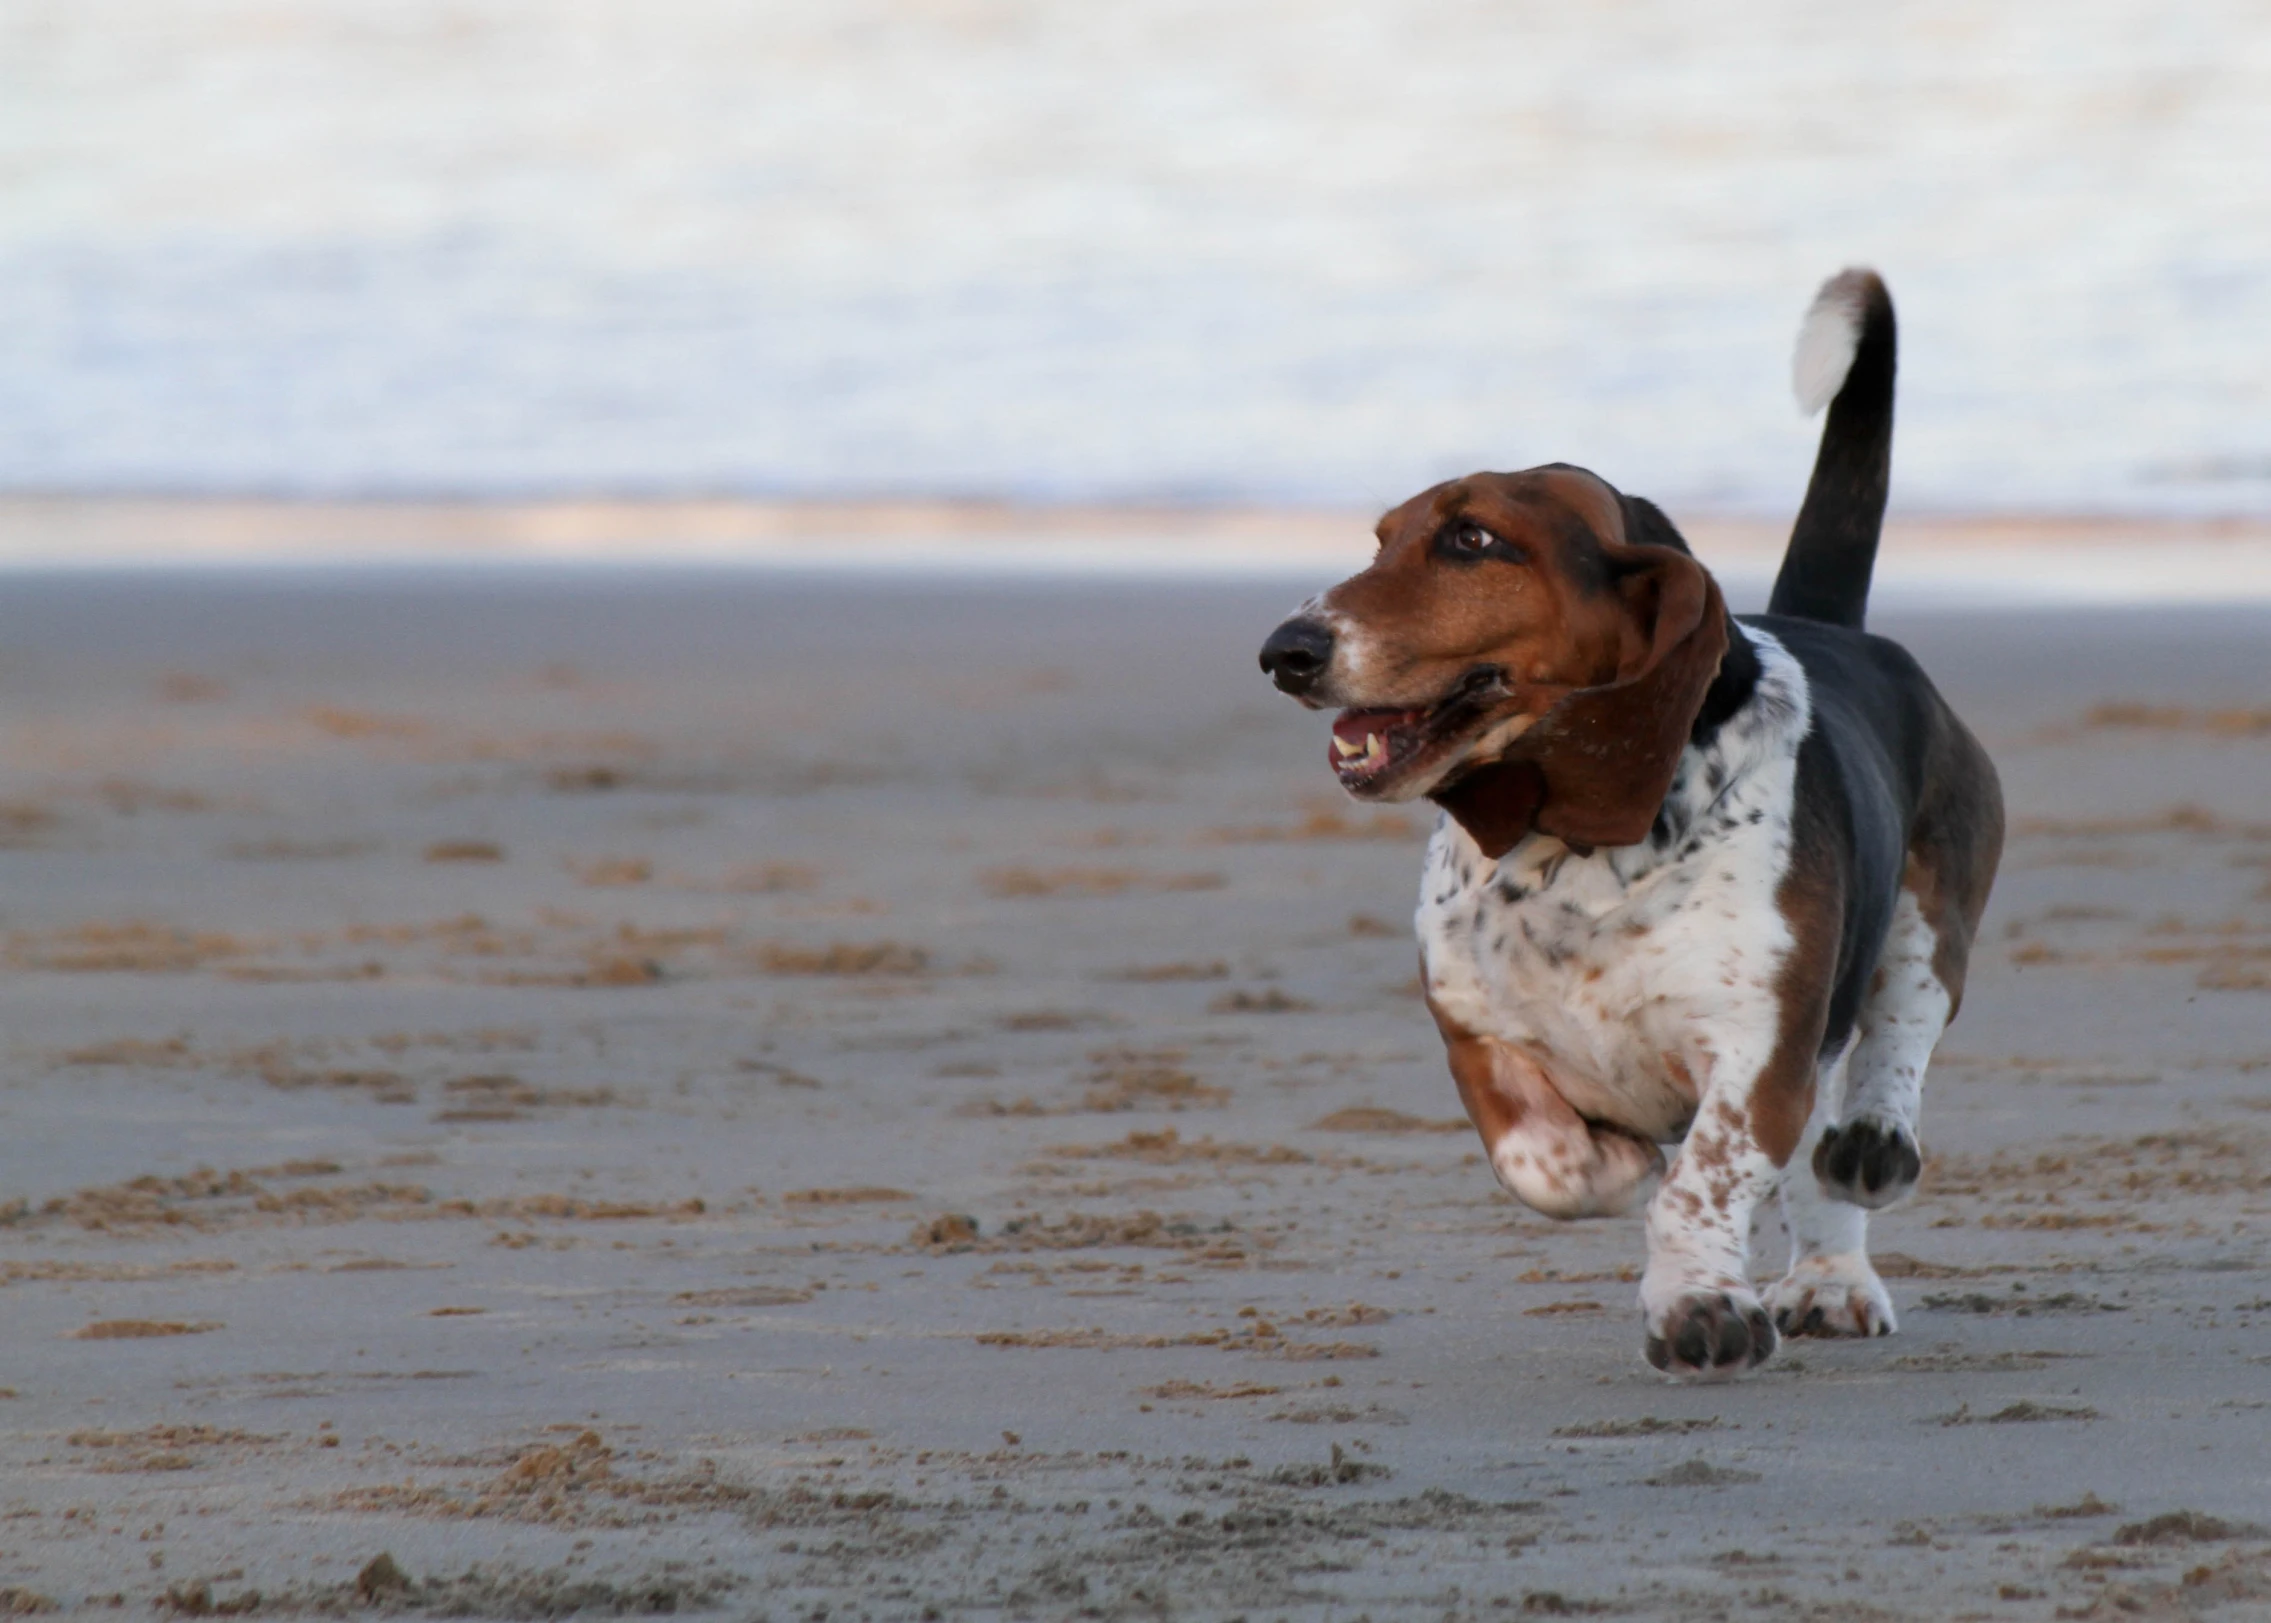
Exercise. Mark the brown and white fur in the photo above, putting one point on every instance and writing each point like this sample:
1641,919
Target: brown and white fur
1700,881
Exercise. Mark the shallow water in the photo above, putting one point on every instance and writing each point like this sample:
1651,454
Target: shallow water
1314,252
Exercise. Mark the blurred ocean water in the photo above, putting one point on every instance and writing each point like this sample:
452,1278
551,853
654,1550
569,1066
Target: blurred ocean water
1308,251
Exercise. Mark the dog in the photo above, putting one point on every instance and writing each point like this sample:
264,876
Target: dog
1699,879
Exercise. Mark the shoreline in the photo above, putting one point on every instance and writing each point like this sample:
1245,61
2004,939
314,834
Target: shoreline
2000,557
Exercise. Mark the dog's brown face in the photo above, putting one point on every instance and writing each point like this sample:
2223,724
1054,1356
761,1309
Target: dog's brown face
1499,605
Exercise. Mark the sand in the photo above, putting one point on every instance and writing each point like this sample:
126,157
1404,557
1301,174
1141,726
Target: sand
797,1096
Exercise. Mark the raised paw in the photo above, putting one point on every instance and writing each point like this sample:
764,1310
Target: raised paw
1710,1336
1868,1163
1595,1171
1832,1296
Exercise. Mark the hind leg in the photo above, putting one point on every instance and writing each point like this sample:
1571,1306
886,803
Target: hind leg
1870,1157
1830,1290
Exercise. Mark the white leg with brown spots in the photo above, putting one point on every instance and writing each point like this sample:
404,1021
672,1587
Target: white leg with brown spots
1830,1290
1703,1319
1574,1169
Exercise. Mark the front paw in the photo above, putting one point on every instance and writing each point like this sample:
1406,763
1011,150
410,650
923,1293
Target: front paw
1832,1296
1868,1162
1595,1172
1710,1335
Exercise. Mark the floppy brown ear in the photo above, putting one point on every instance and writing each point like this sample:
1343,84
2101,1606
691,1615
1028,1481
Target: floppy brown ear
1608,753
1496,804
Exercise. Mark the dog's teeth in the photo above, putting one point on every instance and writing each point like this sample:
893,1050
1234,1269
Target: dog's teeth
1372,752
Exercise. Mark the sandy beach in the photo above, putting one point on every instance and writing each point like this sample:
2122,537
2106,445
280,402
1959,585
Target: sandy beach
887,1095
659,950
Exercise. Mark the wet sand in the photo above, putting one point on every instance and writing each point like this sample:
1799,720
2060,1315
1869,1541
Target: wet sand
805,1096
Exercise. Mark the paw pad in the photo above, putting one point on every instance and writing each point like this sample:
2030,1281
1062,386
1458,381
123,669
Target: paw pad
1867,1163
1714,1335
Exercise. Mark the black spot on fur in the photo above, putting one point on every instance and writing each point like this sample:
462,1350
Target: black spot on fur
1553,953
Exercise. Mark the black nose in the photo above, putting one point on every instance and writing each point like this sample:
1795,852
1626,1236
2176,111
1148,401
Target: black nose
1297,654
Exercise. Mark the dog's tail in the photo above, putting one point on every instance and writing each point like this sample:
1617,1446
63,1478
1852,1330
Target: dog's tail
1846,350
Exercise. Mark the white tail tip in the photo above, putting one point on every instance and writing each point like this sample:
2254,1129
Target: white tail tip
1829,337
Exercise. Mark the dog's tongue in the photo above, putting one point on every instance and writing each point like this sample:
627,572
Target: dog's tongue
1363,740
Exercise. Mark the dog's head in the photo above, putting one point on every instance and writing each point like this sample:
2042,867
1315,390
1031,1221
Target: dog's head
1530,649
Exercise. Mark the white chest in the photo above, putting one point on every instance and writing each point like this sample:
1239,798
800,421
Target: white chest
1631,974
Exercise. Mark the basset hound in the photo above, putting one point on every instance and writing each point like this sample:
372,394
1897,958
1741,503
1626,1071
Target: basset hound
1699,880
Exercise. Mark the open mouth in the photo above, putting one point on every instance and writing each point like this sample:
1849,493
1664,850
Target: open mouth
1374,749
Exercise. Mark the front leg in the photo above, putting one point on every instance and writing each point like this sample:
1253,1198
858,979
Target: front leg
1545,1155
1704,1321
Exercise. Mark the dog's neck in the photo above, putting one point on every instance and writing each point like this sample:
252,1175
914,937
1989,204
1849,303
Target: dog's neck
1732,688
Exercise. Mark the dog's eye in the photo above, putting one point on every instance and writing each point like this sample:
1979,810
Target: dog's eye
1467,541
